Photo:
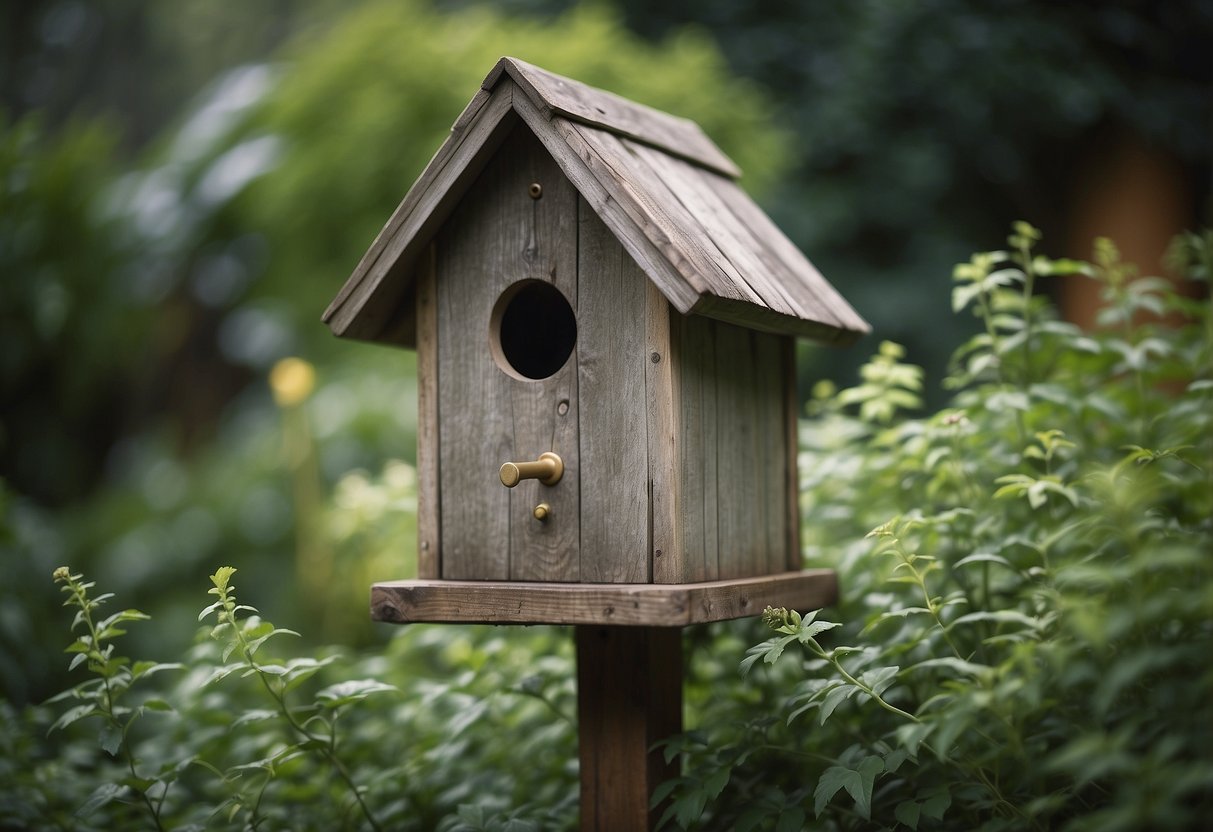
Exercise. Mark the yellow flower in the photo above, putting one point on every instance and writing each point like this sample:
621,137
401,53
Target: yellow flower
292,381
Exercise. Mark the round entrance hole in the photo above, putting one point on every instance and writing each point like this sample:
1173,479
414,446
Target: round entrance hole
532,330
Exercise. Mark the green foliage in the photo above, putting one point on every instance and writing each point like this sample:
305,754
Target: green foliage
1023,644
442,730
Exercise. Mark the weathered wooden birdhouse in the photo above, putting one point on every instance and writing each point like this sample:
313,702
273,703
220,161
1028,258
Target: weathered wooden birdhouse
604,325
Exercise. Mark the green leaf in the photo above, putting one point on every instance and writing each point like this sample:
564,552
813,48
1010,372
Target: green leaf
880,678
907,813
354,690
222,672
73,715
997,617
146,668
985,557
110,738
222,576
812,630
936,801
857,782
664,790
837,695
255,644
689,808
912,734
715,784
101,795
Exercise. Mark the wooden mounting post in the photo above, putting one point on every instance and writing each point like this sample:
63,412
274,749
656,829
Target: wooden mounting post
629,696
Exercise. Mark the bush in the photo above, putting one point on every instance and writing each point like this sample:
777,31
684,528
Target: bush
1028,623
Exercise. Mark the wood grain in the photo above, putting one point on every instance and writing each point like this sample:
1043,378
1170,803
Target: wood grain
644,605
742,540
715,229
696,368
559,96
545,248
769,376
611,360
429,535
629,697
662,416
791,428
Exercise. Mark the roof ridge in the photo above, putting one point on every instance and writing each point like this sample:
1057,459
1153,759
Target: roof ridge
556,95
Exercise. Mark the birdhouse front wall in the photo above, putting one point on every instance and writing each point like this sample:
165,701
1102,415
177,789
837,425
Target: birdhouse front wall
676,433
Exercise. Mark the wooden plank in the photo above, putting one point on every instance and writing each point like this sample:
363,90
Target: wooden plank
710,223
771,448
742,540
662,411
629,697
696,369
791,428
770,240
662,217
543,247
556,95
611,360
641,605
428,495
367,301
474,395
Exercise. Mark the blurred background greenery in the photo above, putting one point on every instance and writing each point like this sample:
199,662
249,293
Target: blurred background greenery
183,186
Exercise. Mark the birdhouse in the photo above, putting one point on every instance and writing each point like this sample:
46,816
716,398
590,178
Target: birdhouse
604,324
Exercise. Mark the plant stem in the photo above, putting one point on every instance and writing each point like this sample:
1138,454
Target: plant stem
326,749
842,671
80,595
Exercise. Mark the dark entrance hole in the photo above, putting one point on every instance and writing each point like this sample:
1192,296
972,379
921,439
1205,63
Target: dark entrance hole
532,330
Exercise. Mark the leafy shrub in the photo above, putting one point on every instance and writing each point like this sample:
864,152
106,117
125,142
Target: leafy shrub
445,729
1026,629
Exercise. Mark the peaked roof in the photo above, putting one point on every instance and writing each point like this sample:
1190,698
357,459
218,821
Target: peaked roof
657,181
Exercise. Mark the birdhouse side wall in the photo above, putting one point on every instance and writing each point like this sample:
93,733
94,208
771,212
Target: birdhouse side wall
736,504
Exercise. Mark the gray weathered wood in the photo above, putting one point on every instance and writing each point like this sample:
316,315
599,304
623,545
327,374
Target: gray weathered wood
713,227
770,376
791,429
558,96
647,605
695,363
611,360
661,403
428,495
498,237
742,542
545,249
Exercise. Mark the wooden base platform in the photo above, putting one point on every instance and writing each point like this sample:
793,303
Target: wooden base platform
634,605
